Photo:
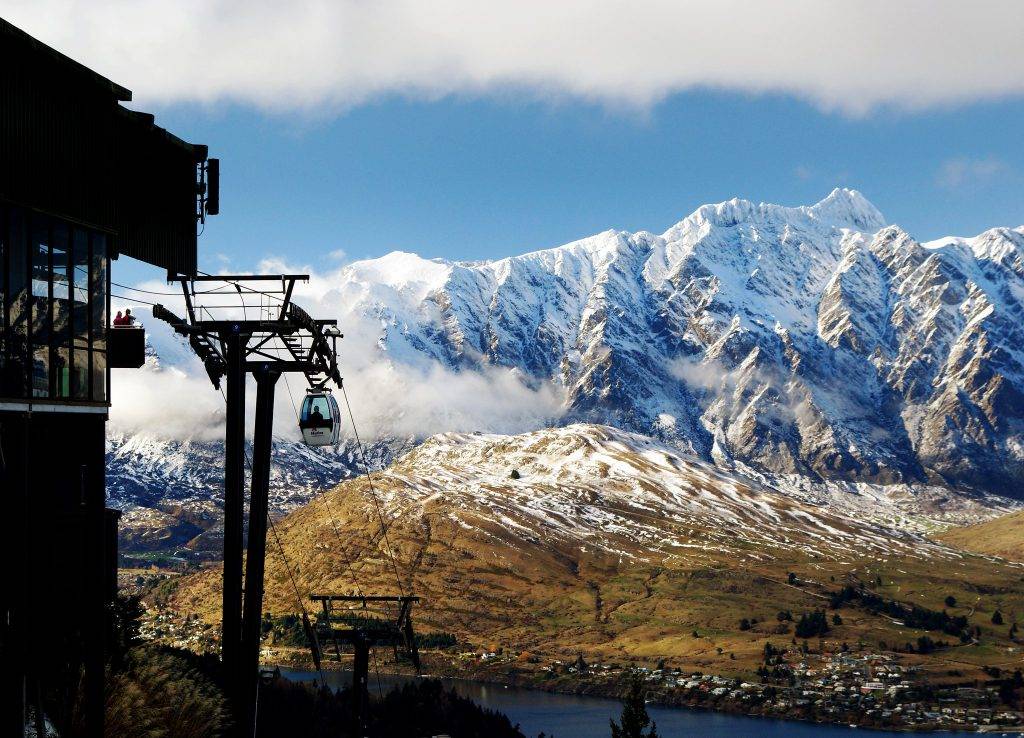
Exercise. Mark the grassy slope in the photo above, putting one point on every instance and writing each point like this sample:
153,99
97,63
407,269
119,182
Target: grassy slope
1002,537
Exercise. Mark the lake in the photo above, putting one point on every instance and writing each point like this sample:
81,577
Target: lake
572,716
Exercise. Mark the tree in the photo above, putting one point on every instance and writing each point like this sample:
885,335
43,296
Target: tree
997,618
950,601
784,615
812,624
744,624
634,719
514,474
837,619
792,578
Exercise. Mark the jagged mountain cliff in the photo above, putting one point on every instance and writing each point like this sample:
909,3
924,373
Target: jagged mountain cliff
812,340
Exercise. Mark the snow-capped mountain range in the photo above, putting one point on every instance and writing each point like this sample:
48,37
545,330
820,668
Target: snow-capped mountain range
816,340
816,348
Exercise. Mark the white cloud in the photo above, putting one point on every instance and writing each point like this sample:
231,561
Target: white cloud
333,54
965,171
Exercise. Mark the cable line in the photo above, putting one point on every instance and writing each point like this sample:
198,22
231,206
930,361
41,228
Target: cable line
133,300
330,516
373,492
148,292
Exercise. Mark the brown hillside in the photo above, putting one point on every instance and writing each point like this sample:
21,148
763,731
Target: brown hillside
1003,537
615,547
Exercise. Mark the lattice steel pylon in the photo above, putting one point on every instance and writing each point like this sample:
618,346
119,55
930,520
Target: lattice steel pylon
272,336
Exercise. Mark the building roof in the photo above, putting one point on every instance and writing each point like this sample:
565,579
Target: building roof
13,35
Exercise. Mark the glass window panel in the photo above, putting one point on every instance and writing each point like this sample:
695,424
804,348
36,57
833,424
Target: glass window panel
41,372
60,256
80,286
15,377
39,246
80,374
99,376
61,369
98,291
316,411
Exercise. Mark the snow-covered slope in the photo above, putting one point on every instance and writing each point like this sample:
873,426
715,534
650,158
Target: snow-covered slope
813,340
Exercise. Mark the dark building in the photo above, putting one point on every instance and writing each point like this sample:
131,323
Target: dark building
83,182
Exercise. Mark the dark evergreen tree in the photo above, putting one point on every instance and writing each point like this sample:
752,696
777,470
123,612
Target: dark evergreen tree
812,624
997,618
634,719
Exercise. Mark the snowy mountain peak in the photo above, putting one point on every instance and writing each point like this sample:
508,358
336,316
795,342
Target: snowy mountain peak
842,208
848,208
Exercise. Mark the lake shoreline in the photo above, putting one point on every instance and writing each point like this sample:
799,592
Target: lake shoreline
612,691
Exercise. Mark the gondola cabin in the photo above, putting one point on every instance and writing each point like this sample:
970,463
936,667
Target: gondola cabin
320,419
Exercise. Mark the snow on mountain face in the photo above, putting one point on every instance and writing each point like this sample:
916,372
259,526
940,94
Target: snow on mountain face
817,350
813,340
171,492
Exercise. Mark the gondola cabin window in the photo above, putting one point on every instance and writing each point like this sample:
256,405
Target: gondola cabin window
54,290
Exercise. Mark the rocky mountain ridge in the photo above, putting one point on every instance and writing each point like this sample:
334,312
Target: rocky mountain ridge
816,340
817,350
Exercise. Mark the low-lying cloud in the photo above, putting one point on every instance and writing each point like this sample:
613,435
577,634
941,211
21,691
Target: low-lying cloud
173,398
330,55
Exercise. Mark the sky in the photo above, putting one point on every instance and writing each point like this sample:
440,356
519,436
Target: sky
482,178
481,130
470,130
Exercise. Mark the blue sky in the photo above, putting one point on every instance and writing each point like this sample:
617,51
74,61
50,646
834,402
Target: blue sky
486,177
470,130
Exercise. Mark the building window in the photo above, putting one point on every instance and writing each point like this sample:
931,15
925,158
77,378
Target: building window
80,314
54,284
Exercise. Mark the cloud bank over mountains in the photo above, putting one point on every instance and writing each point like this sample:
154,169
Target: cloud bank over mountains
407,396
330,55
